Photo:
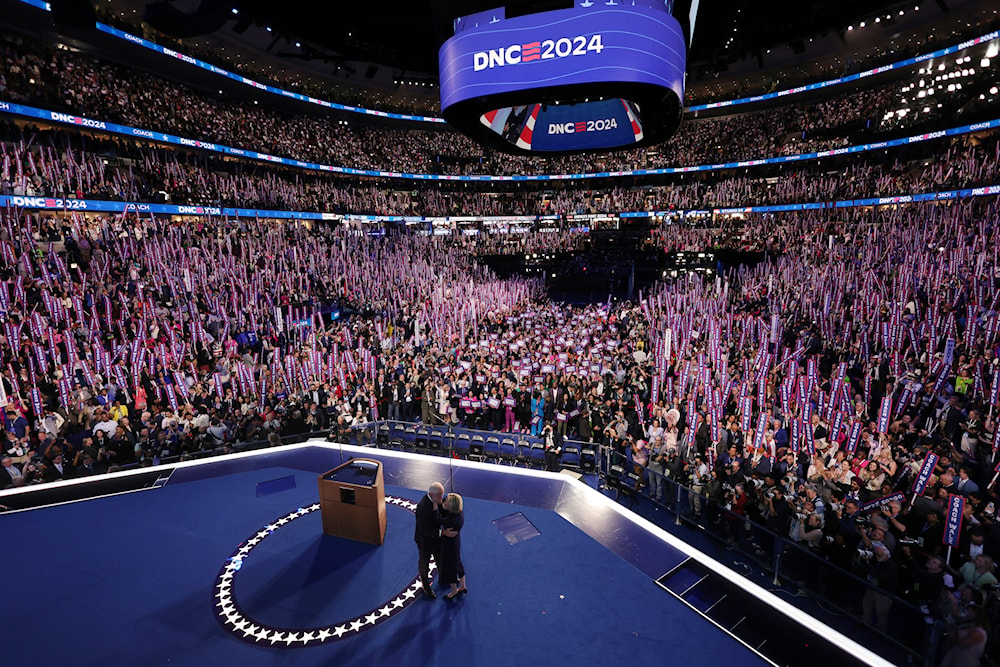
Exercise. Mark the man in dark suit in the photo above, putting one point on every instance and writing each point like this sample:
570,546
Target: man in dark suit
427,534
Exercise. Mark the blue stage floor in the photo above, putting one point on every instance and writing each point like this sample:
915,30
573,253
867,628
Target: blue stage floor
128,580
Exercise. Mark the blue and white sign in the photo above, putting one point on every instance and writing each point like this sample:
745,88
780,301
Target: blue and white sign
637,42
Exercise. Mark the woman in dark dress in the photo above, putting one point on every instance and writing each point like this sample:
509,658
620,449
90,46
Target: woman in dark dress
451,569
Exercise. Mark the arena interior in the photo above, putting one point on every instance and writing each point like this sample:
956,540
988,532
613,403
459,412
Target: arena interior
728,397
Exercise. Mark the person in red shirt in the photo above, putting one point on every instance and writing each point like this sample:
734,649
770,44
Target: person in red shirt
737,513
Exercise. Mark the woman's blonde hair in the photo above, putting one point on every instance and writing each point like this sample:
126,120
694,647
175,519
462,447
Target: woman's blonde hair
453,503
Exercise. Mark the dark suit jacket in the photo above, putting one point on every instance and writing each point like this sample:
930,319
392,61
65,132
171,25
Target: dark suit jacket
428,528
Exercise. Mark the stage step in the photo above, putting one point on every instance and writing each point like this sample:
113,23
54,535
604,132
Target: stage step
774,636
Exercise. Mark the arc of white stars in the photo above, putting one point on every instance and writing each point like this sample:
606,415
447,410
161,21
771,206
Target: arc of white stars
233,616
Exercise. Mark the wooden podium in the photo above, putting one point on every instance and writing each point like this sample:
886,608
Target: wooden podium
352,501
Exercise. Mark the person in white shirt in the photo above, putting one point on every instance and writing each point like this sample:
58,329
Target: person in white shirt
51,423
105,423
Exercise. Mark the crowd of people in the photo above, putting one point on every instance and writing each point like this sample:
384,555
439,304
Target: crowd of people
805,393
67,81
52,162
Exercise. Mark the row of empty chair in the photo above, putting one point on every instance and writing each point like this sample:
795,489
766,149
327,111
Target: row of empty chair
505,448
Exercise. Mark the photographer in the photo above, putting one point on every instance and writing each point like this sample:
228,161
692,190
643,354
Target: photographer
876,535
658,458
808,529
553,448
881,571
699,480
736,502
777,510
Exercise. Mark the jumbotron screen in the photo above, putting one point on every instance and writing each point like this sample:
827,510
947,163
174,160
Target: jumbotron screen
597,76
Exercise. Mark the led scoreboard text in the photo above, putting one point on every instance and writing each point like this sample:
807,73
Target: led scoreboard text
516,54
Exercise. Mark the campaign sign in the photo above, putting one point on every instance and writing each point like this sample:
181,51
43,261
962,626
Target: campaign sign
883,502
924,476
953,520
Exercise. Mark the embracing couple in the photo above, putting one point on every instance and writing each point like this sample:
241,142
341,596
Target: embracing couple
439,525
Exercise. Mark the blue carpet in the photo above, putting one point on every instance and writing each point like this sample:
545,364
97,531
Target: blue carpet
127,580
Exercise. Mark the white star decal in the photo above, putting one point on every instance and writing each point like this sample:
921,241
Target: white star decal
232,618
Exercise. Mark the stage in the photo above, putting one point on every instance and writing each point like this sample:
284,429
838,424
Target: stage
225,561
